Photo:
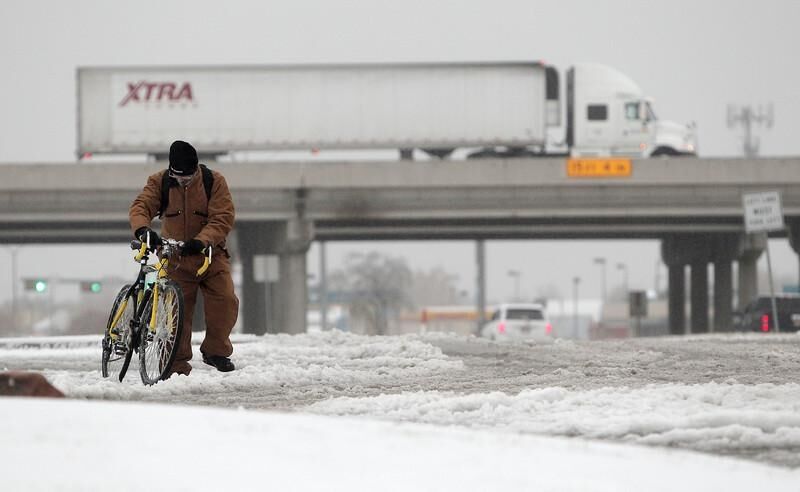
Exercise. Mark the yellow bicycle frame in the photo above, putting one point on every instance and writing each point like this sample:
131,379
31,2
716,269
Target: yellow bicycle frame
161,268
119,313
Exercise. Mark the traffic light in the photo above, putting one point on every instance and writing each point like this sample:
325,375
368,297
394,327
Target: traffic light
91,286
38,285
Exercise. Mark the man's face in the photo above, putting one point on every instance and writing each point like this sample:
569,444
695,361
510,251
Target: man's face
184,181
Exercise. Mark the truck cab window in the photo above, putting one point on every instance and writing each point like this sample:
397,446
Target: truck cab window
632,110
597,112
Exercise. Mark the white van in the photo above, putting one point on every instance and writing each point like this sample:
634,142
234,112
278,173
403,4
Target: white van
518,321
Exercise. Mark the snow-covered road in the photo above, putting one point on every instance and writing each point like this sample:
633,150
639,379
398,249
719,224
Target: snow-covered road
723,394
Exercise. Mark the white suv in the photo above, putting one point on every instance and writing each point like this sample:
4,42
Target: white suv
518,321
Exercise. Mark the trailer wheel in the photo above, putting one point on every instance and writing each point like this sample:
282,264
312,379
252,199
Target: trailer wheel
440,153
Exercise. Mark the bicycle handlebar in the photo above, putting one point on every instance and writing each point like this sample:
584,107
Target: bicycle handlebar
206,262
168,247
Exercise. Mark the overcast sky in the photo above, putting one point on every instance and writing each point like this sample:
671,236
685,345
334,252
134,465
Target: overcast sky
692,57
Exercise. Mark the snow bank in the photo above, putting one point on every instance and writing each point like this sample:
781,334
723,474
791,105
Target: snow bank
95,446
707,417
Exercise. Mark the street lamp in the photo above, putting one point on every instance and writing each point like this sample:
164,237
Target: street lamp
624,268
602,263
516,274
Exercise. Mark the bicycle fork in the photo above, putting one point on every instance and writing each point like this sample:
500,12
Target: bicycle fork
135,332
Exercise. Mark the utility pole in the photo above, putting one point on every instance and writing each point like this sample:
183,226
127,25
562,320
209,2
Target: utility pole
746,116
14,282
575,282
480,259
624,268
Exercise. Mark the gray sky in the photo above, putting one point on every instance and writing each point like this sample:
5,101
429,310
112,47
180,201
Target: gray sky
693,57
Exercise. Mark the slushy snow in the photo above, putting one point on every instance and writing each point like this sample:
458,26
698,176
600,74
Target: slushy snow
417,413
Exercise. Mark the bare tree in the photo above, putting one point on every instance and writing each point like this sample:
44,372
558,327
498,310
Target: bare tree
378,286
435,287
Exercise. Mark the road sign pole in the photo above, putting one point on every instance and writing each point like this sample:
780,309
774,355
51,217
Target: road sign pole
772,289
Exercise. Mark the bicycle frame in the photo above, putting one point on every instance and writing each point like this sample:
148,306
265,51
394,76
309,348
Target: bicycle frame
142,291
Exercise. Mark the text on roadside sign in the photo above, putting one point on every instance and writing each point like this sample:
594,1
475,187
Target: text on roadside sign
762,212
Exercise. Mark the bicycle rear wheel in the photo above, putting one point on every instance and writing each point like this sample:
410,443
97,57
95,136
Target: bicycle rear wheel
115,348
159,344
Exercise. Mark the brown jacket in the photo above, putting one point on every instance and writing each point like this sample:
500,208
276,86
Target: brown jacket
189,214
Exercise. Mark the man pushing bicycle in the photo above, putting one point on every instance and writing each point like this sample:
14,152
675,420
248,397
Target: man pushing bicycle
195,207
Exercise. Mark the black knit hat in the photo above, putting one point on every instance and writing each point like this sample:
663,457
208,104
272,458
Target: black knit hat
182,159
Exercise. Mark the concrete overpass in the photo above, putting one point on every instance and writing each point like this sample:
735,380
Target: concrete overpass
693,205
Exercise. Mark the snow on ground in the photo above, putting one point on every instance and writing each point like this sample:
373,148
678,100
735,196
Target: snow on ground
725,394
326,360
93,446
719,418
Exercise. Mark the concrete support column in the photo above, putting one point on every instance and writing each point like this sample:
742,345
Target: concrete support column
723,295
699,301
323,287
751,247
277,304
678,250
250,238
698,247
725,248
676,290
671,254
292,294
748,279
293,283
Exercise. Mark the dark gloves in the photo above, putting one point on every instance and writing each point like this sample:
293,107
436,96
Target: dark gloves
141,235
193,247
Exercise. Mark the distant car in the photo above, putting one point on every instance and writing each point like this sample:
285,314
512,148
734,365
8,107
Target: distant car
757,315
518,321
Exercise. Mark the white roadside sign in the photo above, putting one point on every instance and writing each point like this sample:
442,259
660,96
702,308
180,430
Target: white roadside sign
762,212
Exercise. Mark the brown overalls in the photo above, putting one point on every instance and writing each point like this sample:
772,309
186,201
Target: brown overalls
190,215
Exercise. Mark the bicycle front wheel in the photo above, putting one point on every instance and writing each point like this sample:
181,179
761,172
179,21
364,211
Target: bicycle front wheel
159,343
117,337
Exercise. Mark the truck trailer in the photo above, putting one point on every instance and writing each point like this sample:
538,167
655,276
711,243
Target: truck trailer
494,108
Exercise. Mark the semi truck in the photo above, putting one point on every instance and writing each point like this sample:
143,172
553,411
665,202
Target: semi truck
486,109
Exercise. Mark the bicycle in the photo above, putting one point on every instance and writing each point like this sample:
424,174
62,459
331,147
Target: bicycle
147,316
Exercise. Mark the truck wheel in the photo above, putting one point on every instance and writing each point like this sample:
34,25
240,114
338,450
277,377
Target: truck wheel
482,154
665,151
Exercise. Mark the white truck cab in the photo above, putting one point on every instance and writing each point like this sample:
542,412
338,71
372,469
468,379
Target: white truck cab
608,114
